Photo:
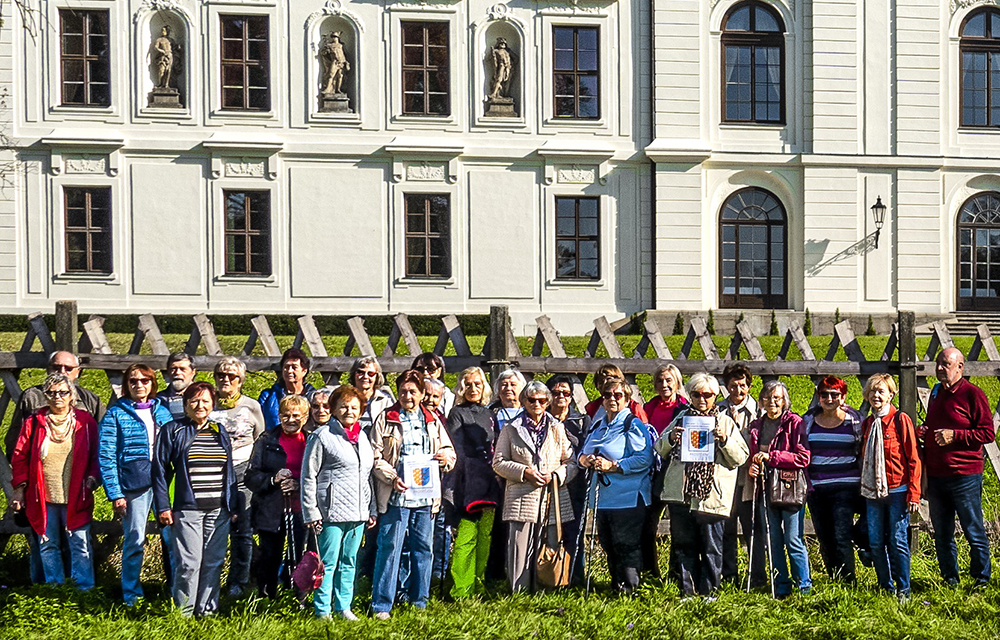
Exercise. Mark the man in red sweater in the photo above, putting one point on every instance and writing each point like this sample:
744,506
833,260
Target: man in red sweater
959,422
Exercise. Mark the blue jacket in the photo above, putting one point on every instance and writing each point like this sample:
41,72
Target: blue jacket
632,451
123,448
270,398
170,466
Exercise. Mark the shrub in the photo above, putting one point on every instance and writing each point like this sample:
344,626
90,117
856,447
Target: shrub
678,325
808,327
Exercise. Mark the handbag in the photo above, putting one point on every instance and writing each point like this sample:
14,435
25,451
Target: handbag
787,488
308,574
553,565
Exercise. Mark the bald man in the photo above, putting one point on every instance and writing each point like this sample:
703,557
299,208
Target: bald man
959,422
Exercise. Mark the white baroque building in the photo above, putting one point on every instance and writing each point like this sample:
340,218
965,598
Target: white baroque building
675,155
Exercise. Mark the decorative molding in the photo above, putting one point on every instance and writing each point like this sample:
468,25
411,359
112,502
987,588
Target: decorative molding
245,167
421,5
575,160
576,174
333,8
575,8
151,6
90,145
86,164
426,172
500,12
959,5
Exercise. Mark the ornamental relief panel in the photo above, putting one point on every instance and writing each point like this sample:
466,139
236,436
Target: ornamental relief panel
958,5
426,172
245,168
576,174
86,164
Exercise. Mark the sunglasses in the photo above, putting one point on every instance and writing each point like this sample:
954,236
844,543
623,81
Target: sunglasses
366,374
617,395
227,376
561,394
704,395
829,395
58,394
62,368
538,400
426,369
140,380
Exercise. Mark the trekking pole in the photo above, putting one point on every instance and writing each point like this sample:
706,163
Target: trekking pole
753,533
582,532
767,534
593,531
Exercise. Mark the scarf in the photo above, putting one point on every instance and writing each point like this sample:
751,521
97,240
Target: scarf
57,430
228,403
353,432
699,477
538,431
874,484
144,405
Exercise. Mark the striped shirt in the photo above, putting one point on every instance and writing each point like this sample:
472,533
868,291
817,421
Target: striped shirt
207,467
835,460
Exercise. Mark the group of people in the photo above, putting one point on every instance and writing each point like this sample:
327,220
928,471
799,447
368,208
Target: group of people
479,483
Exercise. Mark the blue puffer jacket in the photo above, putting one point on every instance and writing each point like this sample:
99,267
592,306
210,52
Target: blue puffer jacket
269,400
123,448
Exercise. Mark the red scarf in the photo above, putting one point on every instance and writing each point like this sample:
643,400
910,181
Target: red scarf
353,433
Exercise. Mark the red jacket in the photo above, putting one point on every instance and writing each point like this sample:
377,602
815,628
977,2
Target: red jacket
790,447
964,409
26,467
902,459
633,406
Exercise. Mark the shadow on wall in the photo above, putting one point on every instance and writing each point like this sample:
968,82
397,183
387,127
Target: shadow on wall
815,251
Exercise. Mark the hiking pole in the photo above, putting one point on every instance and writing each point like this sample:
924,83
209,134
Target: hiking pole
593,530
753,533
767,534
582,533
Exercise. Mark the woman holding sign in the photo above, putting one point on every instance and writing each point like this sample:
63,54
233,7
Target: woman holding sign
705,450
620,450
411,447
779,448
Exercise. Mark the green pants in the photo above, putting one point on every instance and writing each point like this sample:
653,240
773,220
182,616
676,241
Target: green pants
469,556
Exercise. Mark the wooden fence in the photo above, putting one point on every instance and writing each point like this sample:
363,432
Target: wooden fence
500,350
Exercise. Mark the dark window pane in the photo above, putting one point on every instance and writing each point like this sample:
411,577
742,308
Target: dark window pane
739,20
72,44
752,75
232,49
565,107
564,60
975,27
437,34
425,62
765,20
752,251
563,37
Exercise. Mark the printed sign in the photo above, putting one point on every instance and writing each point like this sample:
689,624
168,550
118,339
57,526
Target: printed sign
698,441
422,476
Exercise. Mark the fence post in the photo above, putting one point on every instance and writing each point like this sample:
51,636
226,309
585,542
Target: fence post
66,324
499,326
907,364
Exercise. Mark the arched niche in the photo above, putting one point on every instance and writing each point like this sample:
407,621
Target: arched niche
515,44
349,40
149,74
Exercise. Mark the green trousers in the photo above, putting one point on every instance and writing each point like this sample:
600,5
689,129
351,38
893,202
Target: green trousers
469,556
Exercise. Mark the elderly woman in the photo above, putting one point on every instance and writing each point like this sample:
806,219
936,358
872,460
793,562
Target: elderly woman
366,376
661,410
432,366
320,410
778,441
405,431
531,451
890,483
834,433
54,473
127,436
273,477
619,448
596,406
338,498
507,393
700,494
292,372
474,487
244,422
577,426
194,491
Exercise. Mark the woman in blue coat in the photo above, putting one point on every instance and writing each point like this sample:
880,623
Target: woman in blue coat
127,434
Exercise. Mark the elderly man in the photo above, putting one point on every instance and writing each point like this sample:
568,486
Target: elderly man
31,401
959,422
179,375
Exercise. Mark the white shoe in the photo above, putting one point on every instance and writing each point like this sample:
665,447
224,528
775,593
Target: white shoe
347,614
382,615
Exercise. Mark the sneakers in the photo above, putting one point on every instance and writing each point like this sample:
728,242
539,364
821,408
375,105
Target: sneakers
381,615
347,614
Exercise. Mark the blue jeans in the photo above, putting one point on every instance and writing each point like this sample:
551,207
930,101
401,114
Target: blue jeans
81,559
961,496
338,549
888,526
397,523
133,542
442,546
786,533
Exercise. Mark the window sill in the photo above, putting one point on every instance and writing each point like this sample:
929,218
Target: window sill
228,279
427,121
97,278
160,113
576,123
336,119
555,283
235,114
406,282
753,126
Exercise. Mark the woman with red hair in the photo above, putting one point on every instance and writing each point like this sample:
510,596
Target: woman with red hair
834,431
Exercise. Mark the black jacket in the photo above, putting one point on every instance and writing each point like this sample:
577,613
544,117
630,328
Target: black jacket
267,507
473,481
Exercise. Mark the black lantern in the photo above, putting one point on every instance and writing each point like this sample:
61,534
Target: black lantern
878,213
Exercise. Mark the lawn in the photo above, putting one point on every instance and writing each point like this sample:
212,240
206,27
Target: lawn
656,611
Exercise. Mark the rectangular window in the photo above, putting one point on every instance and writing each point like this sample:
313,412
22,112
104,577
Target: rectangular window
425,69
245,69
576,78
428,221
578,242
248,233
84,58
88,229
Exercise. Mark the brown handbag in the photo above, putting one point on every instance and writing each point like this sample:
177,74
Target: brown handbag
786,488
553,565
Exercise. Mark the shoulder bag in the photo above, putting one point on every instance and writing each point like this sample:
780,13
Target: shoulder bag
553,565
787,488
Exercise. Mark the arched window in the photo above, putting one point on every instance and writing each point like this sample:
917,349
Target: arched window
980,72
979,253
754,251
753,59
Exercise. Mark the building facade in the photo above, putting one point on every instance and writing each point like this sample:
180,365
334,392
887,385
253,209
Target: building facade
237,157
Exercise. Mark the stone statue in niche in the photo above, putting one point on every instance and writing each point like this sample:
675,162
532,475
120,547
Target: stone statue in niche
335,65
165,56
499,104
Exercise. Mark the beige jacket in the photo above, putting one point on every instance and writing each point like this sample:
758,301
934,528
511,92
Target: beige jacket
387,437
728,458
515,452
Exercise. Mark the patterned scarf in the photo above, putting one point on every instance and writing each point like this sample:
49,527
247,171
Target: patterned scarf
699,477
538,431
228,403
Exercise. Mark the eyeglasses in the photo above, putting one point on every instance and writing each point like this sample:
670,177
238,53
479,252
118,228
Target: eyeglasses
316,407
362,373
561,394
426,369
226,376
617,395
63,368
704,395
542,400
829,395
61,393
140,380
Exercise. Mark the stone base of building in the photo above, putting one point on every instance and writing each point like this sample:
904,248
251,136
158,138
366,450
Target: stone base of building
165,98
500,108
334,103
